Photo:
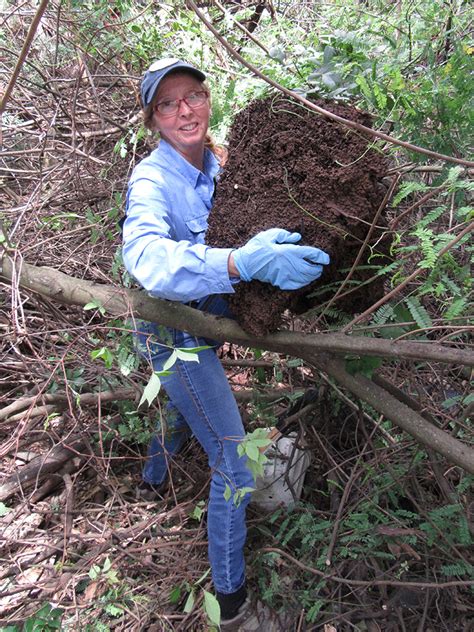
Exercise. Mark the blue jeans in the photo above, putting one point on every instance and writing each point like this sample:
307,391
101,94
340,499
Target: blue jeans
201,403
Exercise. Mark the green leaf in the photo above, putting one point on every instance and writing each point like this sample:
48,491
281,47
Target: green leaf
103,354
252,451
188,606
212,608
186,355
365,365
113,610
262,433
151,390
203,577
328,54
170,361
328,79
276,52
4,510
241,493
94,305
46,619
175,595
197,511
294,362
261,443
227,493
94,572
195,349
451,401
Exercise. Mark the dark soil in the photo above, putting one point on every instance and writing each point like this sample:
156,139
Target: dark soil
291,168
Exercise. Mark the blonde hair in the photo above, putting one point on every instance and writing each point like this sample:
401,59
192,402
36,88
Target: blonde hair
219,151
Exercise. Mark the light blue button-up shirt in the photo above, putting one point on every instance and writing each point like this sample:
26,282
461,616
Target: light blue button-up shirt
168,203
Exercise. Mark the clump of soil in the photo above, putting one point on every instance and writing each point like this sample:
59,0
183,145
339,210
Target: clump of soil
290,168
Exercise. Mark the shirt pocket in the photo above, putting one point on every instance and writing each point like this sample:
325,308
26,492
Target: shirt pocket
197,227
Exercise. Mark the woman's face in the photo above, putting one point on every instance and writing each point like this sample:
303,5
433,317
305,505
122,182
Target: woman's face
186,129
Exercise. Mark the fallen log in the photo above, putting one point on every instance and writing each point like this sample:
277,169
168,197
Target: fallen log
312,348
122,302
42,466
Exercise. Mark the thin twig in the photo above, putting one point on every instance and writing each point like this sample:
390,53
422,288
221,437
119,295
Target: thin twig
358,582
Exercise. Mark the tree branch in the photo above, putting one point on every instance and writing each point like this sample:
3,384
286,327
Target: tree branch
121,302
402,415
312,348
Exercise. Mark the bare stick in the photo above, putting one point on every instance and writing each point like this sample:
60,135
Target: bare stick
361,582
121,302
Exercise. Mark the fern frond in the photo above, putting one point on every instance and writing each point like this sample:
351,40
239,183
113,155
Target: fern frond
419,313
432,216
460,569
456,308
428,247
455,182
388,268
453,174
407,189
451,286
383,315
380,97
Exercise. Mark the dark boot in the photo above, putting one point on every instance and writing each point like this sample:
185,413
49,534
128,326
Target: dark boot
149,493
257,616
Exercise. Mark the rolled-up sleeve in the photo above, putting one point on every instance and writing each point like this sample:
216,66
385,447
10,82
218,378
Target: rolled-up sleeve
157,252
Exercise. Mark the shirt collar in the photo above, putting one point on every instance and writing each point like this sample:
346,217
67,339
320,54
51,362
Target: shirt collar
168,157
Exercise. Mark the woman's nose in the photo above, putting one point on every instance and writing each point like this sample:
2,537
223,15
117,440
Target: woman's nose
184,108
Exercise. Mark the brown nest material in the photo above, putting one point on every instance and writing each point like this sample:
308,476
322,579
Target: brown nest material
291,168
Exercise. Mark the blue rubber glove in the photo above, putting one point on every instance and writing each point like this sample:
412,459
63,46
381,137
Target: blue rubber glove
272,256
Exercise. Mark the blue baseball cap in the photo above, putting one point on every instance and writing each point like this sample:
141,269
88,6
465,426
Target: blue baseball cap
158,71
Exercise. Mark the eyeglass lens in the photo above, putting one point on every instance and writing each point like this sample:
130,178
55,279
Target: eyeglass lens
193,100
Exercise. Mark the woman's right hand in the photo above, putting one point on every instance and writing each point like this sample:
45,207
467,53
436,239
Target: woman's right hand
273,256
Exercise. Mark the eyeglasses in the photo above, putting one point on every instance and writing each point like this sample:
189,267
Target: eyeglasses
193,100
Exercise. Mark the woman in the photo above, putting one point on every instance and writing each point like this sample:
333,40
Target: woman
168,202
